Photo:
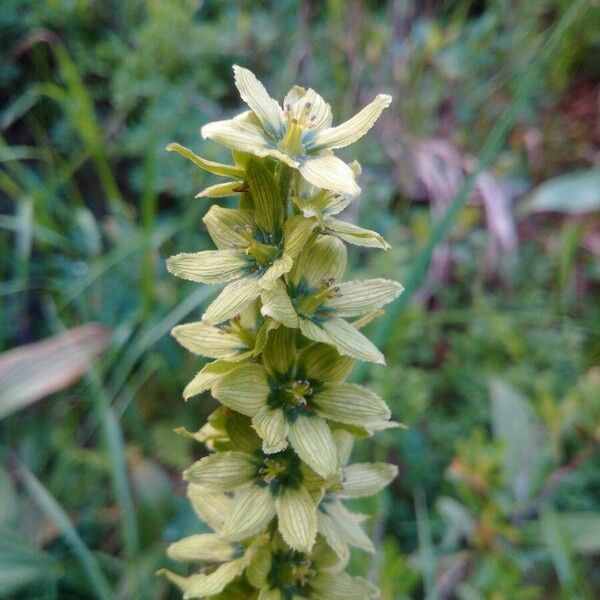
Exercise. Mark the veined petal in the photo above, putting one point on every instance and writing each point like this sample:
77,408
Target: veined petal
235,296
348,526
212,507
319,111
296,233
279,353
222,472
354,298
323,258
329,172
352,130
206,340
207,377
268,593
225,224
207,165
313,331
203,585
253,509
280,266
239,133
341,586
297,517
323,363
254,94
209,266
272,427
308,107
325,557
311,438
366,479
350,403
203,547
244,389
222,190
344,442
355,235
327,528
277,304
265,194
350,342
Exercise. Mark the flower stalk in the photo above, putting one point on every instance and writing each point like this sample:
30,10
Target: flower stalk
284,334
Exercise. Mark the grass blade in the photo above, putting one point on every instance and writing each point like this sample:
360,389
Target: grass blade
490,151
52,509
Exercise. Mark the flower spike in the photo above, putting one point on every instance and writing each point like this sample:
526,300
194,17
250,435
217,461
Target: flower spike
283,335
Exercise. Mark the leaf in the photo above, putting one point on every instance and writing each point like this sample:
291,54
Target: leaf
515,423
8,497
32,372
21,563
582,529
57,515
574,194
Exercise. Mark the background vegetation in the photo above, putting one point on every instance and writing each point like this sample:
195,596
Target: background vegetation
484,178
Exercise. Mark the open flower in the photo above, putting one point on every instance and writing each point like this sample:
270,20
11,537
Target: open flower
315,303
299,134
265,487
281,574
242,338
320,204
223,562
291,399
340,527
252,254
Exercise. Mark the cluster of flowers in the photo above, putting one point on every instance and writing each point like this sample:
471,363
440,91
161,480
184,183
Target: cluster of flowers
273,487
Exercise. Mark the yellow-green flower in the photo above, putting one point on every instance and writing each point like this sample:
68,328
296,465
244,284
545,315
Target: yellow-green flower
315,303
241,338
340,527
291,398
223,561
320,204
265,487
299,135
283,574
251,256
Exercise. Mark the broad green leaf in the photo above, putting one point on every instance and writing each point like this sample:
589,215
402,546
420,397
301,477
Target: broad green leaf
575,193
525,445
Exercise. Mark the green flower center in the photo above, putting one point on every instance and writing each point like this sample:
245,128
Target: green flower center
293,397
298,120
291,573
264,254
308,302
279,471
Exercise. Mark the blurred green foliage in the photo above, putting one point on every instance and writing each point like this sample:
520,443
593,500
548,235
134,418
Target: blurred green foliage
494,366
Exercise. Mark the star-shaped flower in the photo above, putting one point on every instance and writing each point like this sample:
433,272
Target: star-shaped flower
281,574
252,254
299,134
340,527
291,398
314,302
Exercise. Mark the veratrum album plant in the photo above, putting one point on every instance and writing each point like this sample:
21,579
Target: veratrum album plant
284,334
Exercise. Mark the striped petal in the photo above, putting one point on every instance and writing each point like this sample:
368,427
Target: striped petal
329,172
254,94
209,266
352,130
